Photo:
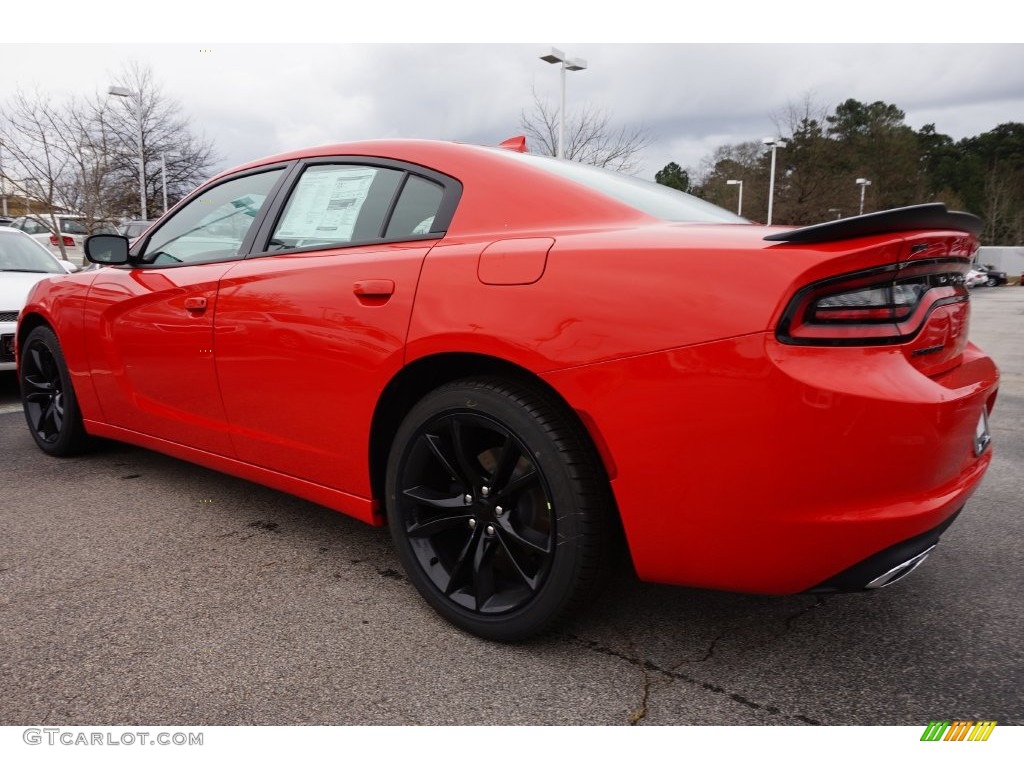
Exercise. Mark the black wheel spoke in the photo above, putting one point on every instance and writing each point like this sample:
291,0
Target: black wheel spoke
435,499
434,443
44,415
510,535
37,359
39,384
455,576
467,462
438,525
514,559
483,571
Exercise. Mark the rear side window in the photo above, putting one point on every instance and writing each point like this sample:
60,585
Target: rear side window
416,208
338,204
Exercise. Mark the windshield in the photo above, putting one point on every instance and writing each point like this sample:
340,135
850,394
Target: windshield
654,199
72,226
23,254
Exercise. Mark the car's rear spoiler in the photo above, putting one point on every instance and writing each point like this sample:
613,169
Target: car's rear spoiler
927,216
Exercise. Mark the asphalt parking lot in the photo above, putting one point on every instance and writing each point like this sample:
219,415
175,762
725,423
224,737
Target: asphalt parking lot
137,589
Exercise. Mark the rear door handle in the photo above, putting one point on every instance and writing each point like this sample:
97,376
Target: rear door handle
371,288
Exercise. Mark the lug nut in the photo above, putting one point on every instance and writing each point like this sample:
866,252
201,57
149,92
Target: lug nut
490,530
472,523
468,499
499,511
485,491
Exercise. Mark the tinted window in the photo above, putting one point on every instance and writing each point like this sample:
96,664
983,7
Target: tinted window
336,205
72,226
647,196
213,226
416,208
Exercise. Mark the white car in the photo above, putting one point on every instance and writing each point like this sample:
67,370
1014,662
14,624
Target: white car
23,263
975,277
73,231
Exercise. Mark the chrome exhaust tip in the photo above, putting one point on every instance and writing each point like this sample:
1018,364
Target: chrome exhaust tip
903,569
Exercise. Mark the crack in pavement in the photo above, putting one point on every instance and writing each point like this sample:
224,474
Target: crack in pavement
640,712
673,674
709,654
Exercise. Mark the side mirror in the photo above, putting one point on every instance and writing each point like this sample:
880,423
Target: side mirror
106,249
69,266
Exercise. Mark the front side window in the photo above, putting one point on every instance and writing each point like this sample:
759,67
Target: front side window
213,226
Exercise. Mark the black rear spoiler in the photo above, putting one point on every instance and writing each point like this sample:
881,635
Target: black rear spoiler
927,216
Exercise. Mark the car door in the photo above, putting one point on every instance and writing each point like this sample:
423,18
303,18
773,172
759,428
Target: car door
310,330
153,359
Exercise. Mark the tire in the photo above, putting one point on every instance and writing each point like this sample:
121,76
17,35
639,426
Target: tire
47,396
499,507
991,282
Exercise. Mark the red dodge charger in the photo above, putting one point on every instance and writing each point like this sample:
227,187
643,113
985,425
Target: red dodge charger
515,362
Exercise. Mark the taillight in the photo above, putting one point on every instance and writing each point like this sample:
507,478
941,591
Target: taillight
888,305
69,242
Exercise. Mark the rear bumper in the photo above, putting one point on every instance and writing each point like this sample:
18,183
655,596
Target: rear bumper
752,466
888,566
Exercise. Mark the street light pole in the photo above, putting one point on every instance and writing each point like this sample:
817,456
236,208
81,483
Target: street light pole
863,183
573,65
774,144
163,172
3,180
739,205
124,92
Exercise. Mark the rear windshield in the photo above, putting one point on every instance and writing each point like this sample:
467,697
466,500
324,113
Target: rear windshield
647,196
72,226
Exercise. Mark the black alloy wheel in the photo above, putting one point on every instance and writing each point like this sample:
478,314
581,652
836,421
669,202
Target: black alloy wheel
47,396
992,282
498,506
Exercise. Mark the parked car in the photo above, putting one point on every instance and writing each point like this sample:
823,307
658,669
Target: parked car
133,229
5,221
73,231
23,263
975,277
993,276
512,360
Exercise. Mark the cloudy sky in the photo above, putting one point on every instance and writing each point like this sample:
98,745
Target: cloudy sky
255,99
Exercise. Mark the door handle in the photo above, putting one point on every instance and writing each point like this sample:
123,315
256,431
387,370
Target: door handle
195,303
374,288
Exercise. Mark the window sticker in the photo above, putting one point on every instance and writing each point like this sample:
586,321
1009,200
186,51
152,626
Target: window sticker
326,204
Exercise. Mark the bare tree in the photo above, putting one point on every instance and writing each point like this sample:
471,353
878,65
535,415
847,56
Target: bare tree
166,136
82,156
40,164
589,136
